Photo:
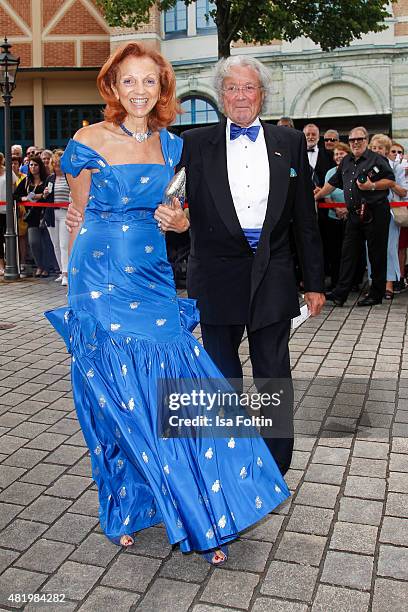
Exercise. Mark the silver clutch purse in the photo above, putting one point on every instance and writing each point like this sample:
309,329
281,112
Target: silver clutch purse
176,188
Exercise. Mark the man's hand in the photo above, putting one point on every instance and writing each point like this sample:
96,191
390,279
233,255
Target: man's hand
74,218
172,218
367,186
315,302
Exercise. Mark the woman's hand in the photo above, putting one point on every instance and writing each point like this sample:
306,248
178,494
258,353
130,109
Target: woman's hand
341,213
400,191
172,218
73,219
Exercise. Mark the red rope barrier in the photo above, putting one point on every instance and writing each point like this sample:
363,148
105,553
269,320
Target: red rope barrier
40,204
66,204
342,205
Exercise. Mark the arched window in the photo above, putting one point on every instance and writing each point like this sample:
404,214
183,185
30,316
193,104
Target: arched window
197,111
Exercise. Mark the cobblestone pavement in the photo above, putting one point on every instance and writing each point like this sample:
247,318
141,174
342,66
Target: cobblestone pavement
340,543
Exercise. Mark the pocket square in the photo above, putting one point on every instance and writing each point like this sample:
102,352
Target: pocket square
293,173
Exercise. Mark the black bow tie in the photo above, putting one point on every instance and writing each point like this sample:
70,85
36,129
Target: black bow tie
311,150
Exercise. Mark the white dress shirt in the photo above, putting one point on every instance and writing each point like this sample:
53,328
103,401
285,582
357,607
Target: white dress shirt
312,155
248,177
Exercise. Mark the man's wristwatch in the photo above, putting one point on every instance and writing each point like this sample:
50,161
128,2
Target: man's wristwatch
373,187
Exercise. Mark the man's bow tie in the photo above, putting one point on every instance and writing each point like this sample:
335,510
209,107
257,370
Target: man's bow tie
252,132
311,150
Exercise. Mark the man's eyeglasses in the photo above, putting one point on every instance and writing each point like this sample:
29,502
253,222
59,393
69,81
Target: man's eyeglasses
397,151
358,139
330,139
249,89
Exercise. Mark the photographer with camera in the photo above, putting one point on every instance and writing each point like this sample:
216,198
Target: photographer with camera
365,178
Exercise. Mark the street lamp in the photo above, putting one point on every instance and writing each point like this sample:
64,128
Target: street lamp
8,72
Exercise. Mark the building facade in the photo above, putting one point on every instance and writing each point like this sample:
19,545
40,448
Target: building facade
63,43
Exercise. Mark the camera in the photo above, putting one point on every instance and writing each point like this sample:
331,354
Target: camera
373,174
362,211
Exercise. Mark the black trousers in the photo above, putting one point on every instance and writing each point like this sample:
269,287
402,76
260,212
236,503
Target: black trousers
376,235
324,229
269,355
335,235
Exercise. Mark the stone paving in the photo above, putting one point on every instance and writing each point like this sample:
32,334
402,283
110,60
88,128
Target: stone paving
340,544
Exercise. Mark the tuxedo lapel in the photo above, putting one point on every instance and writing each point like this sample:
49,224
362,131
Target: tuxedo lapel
216,175
279,176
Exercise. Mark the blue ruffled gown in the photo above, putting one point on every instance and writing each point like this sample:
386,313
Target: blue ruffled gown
126,328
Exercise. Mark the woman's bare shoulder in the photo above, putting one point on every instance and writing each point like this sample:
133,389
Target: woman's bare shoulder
92,135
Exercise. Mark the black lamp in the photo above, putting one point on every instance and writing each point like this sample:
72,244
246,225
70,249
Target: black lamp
8,72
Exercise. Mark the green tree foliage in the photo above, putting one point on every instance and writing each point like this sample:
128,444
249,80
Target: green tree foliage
329,23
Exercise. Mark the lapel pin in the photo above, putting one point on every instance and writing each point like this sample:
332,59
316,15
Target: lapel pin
277,153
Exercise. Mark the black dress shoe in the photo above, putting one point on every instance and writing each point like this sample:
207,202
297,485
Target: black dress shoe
330,297
369,301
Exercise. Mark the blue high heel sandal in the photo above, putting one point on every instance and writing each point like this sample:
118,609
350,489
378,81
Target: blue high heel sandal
209,556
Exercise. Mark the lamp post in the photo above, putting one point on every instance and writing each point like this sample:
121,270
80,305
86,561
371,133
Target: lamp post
8,72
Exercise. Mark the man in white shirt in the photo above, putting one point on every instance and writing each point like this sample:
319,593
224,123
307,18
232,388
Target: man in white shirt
246,182
320,158
312,135
320,161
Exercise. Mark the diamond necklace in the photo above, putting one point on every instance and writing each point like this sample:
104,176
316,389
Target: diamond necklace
139,136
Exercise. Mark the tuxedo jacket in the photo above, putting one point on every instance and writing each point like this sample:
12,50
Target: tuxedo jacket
323,164
232,284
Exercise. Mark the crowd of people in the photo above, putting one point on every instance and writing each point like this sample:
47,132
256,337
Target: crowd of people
354,236
43,236
39,186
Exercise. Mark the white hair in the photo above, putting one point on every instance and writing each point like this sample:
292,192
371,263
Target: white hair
223,69
311,125
360,128
330,131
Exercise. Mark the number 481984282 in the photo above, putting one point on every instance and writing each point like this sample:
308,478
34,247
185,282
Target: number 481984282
36,598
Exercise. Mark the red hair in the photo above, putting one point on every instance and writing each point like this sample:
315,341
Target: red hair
167,106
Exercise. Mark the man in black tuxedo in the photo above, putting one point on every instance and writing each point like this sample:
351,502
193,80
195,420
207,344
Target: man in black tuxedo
246,181
320,159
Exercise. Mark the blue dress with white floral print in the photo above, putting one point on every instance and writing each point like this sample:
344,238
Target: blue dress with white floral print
126,329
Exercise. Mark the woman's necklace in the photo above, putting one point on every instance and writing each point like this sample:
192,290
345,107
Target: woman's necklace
139,136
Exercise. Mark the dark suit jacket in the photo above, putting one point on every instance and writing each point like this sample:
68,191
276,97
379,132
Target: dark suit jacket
231,284
324,163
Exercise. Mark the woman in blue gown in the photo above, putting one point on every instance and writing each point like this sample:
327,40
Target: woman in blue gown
126,330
